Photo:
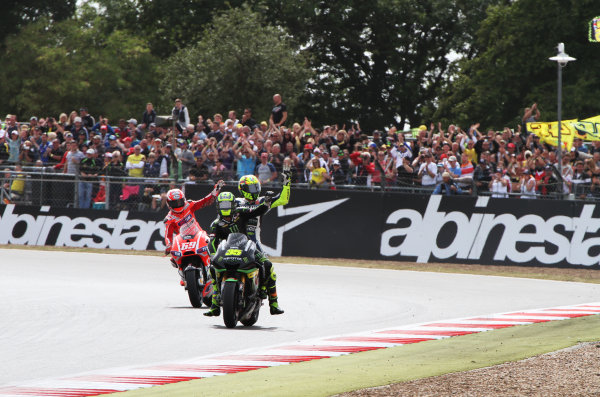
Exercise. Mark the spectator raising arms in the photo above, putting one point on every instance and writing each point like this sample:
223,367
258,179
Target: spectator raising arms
265,171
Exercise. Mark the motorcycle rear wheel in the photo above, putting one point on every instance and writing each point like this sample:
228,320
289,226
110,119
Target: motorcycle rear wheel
230,301
194,293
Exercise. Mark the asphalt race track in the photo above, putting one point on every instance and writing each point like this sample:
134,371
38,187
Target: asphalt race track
64,312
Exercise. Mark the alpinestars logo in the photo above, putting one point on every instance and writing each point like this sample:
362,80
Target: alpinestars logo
310,211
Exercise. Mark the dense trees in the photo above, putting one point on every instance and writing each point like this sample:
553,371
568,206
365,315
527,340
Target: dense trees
241,61
512,69
379,62
50,68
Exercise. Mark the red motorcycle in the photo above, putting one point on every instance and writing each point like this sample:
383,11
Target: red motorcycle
190,254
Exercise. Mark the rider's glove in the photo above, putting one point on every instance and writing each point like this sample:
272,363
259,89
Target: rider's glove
167,250
287,176
217,189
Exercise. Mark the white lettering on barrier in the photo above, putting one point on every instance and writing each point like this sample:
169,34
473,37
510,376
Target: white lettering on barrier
421,235
126,233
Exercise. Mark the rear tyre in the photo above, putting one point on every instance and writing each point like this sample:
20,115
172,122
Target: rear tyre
194,293
230,300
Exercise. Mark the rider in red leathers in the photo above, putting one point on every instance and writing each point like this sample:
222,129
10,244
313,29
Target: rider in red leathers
181,218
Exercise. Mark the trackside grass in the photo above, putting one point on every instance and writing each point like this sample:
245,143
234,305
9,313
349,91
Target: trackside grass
375,368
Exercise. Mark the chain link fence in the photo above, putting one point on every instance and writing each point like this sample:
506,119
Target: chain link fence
43,186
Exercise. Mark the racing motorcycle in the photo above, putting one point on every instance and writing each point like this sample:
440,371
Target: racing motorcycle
239,278
190,254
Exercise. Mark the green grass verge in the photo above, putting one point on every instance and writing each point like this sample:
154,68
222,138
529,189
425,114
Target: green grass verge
403,363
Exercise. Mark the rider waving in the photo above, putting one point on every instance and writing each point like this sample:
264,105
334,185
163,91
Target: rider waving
181,217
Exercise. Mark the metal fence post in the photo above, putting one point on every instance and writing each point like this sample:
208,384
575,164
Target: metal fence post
107,192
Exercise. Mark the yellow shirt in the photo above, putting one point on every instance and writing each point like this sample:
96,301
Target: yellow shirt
317,175
18,184
135,160
472,154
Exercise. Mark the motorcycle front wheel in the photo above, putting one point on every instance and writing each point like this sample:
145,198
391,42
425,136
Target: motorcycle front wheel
230,301
191,284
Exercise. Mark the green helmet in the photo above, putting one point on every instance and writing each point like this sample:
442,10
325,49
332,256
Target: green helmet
225,203
249,187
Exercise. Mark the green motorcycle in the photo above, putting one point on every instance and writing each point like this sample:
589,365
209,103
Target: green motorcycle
238,276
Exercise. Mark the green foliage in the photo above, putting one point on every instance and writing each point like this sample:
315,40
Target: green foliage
50,68
240,62
378,61
512,69
14,14
167,25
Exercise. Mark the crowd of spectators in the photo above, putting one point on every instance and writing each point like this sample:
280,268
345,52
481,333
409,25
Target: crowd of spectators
443,160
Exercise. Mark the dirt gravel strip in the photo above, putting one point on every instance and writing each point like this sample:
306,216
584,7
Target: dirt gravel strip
574,371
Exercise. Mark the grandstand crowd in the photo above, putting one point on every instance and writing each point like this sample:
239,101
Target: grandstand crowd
444,159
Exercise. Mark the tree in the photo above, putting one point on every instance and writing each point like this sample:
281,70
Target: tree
512,70
167,25
240,62
14,14
56,67
382,61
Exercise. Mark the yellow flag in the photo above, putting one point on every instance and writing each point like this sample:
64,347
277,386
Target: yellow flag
567,134
588,129
548,132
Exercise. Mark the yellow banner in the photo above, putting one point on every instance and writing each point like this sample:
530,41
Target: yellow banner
548,132
588,129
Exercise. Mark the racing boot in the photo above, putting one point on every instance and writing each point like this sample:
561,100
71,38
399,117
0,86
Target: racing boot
215,309
271,288
274,306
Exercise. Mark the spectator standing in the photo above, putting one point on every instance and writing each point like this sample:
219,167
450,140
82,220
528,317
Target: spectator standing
73,159
135,163
79,129
187,159
246,158
338,177
528,185
404,173
29,154
86,119
15,182
265,171
181,114
248,121
55,152
88,170
279,112
318,174
531,115
452,167
14,146
428,171
482,175
149,116
4,149
499,184
199,172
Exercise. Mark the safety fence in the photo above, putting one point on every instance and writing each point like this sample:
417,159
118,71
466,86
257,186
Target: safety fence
43,186
352,224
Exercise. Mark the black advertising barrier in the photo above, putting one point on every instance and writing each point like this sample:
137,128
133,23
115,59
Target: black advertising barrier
424,228
349,224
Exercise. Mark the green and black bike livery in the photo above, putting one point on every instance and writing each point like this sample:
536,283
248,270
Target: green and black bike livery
238,276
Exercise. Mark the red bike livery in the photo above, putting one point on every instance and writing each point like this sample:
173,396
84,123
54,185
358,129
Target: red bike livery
190,253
